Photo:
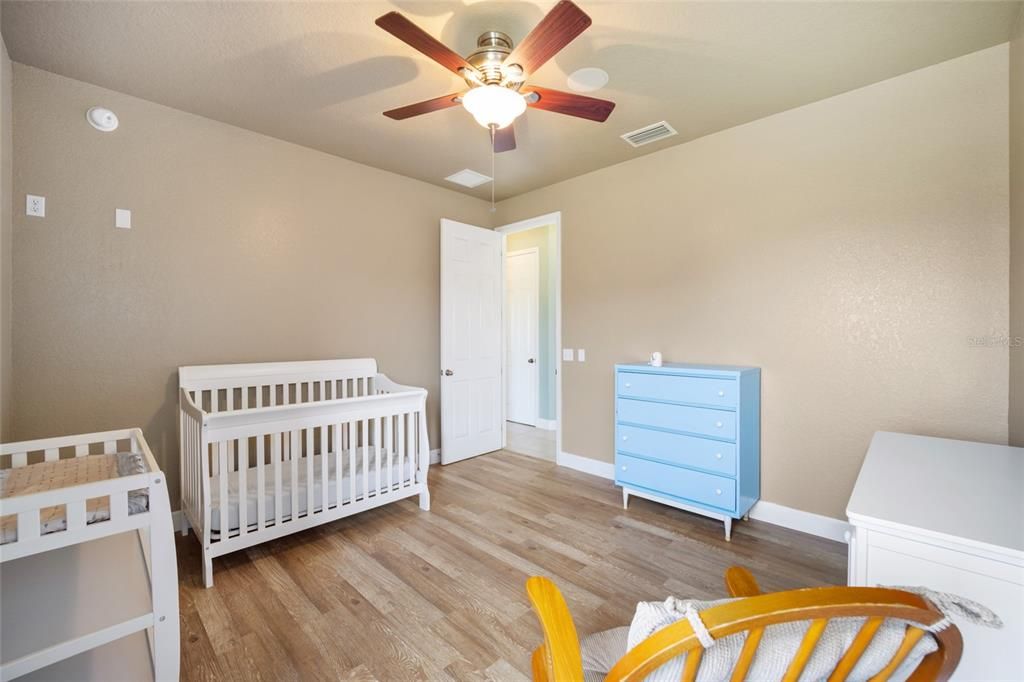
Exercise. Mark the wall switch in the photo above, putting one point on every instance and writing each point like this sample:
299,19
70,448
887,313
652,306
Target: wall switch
567,354
123,218
35,206
581,355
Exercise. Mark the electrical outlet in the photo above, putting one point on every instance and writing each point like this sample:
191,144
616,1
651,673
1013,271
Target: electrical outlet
123,218
35,206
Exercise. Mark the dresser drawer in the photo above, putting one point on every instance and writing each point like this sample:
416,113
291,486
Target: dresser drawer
706,489
680,389
697,420
673,448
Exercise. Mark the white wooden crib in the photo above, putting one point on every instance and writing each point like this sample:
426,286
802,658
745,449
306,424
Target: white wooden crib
291,445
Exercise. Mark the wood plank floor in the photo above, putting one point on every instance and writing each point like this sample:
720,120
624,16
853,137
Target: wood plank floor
400,594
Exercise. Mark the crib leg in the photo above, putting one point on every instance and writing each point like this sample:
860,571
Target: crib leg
425,500
207,571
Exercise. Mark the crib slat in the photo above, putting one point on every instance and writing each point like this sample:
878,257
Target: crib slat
364,432
81,450
295,445
277,454
324,483
344,388
310,473
19,459
109,447
377,455
338,478
222,466
51,454
389,445
401,450
261,486
229,404
352,440
243,485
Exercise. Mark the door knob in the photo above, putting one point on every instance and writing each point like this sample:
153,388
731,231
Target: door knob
531,361
448,372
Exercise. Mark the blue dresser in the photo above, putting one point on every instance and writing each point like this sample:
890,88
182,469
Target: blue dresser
689,436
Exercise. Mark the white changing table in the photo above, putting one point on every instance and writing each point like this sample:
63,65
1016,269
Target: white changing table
948,515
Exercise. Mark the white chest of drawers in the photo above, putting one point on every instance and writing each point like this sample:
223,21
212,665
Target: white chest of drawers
948,515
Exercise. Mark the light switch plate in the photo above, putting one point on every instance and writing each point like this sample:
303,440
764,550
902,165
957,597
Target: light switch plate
581,355
567,354
123,218
35,206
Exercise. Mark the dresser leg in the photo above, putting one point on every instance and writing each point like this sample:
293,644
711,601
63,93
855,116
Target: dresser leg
728,529
625,499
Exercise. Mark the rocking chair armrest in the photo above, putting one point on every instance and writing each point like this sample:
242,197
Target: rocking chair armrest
741,583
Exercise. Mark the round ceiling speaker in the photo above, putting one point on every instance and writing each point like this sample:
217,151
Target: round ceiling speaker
102,119
588,79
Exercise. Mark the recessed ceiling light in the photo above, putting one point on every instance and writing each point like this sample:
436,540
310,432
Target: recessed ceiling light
588,79
468,178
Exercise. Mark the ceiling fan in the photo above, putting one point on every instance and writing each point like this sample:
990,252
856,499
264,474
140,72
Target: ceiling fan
496,73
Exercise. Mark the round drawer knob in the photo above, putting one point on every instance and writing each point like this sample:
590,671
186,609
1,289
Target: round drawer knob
721,394
718,455
623,467
718,425
625,438
628,385
718,491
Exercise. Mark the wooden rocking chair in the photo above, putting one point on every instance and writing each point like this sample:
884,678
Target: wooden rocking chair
559,658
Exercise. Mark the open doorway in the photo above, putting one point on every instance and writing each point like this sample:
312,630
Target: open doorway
532,336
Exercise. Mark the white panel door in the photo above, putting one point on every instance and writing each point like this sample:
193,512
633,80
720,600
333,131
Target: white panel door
471,387
522,315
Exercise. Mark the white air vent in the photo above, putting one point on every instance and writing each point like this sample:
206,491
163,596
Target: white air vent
649,134
468,178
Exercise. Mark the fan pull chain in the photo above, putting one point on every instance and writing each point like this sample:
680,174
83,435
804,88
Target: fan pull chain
494,132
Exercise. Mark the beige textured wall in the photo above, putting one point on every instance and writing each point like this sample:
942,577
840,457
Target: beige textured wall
243,249
6,233
1017,234
850,248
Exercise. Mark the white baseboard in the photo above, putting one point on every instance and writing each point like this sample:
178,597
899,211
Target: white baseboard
435,456
586,465
769,512
547,424
804,521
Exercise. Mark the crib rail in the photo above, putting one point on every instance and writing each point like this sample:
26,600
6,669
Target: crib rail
258,471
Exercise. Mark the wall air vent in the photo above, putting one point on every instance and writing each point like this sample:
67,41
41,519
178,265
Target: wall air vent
648,134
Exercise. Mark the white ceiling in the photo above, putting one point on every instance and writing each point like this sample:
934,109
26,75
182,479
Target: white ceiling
320,74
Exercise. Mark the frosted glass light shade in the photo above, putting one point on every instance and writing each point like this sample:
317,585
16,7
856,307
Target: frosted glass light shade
494,105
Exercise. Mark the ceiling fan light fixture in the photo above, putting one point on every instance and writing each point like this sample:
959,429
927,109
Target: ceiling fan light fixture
494,105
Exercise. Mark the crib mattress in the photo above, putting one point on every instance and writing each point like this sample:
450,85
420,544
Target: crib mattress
63,473
405,476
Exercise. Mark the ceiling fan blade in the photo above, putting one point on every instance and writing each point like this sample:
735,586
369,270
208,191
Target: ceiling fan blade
569,104
505,139
425,107
414,36
556,30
